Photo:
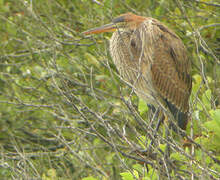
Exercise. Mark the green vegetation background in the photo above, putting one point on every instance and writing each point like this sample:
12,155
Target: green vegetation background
65,114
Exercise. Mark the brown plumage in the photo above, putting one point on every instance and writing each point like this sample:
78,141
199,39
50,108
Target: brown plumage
153,60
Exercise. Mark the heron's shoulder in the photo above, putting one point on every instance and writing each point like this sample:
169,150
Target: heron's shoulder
156,25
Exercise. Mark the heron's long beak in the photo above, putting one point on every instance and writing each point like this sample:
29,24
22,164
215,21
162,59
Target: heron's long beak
105,28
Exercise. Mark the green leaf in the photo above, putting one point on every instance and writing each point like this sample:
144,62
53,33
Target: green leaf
142,141
50,175
142,106
206,99
151,175
92,59
110,157
214,125
136,174
129,175
89,178
178,156
162,147
196,83
11,28
215,114
138,167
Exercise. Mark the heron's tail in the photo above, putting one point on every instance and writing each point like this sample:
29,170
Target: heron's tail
181,117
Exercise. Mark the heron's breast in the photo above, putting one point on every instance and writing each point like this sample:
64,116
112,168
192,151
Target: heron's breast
128,56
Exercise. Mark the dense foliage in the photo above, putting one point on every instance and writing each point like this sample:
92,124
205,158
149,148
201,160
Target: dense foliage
66,114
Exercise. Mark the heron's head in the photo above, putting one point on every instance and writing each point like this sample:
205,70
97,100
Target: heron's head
125,21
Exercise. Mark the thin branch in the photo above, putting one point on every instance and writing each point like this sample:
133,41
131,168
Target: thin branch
207,26
207,3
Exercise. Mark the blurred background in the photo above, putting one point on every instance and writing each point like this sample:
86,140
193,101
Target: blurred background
65,113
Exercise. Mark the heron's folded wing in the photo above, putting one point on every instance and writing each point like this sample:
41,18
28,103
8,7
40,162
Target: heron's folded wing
170,66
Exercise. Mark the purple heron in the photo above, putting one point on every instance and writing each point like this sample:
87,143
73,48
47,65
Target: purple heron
153,60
